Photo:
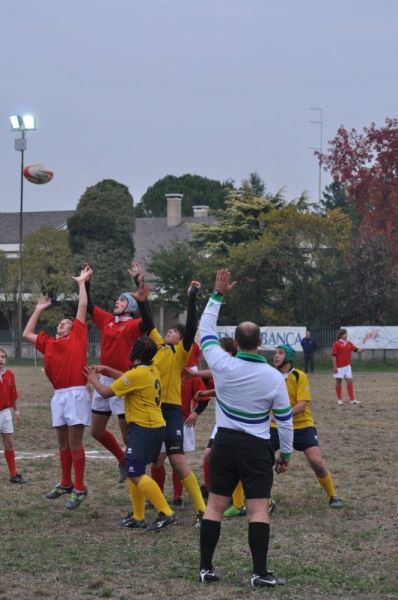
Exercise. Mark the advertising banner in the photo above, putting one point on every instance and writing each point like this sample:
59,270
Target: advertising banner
374,337
272,336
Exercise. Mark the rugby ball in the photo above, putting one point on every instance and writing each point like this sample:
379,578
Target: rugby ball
37,173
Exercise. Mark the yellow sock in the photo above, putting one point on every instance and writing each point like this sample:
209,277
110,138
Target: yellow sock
191,484
137,501
152,491
327,484
238,497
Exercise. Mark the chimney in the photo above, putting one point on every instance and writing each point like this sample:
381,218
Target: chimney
174,209
200,210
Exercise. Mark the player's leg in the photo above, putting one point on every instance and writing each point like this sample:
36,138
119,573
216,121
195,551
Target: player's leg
158,470
77,415
338,390
99,421
350,391
314,458
7,431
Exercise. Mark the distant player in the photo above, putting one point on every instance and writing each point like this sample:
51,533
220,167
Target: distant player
141,388
305,438
8,401
65,357
341,357
118,332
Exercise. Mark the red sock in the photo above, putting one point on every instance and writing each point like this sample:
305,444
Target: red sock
350,390
177,486
109,442
206,472
338,391
65,457
159,475
79,461
10,458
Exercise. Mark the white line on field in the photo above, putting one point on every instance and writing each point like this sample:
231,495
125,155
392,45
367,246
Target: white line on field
94,454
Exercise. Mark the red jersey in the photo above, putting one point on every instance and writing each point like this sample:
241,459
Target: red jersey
65,357
8,390
117,338
194,356
342,351
189,387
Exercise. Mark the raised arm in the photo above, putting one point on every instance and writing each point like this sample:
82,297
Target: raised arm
81,280
29,334
192,316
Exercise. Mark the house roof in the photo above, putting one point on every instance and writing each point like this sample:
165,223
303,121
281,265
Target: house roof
32,221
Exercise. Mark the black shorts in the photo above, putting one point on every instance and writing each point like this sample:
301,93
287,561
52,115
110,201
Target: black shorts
210,443
143,447
174,437
302,438
238,456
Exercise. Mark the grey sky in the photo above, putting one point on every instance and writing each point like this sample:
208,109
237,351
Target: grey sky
135,90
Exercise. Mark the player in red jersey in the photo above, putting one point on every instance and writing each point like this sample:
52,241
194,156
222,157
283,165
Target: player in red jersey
8,401
341,357
65,357
118,332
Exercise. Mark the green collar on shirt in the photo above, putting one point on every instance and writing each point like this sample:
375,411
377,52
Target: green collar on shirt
251,357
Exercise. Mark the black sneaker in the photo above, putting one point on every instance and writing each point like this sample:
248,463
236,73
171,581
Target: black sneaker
178,503
335,502
161,522
75,499
208,576
17,479
198,520
130,523
122,473
59,490
267,580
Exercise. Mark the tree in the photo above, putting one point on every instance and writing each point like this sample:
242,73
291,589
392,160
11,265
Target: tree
366,164
101,233
197,190
9,291
253,185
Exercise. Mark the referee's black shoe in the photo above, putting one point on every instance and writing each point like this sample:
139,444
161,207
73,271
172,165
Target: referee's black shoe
208,576
267,580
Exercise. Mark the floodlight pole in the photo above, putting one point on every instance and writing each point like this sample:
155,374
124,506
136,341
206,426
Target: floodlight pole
20,146
320,123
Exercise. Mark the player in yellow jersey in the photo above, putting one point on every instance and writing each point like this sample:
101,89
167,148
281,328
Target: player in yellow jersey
141,388
305,435
170,359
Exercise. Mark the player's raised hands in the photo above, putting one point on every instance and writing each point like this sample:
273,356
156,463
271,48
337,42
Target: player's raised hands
194,287
136,270
223,284
43,303
142,292
85,274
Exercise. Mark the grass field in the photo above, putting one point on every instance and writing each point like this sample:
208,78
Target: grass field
49,552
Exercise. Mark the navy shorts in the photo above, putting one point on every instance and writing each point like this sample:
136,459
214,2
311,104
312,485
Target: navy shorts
174,437
239,456
143,447
302,438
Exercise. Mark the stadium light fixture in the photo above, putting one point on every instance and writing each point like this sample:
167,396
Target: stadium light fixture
22,123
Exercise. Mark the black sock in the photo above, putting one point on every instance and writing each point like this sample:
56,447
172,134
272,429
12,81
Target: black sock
209,536
258,542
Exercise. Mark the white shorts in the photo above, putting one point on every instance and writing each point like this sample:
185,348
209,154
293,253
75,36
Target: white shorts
189,440
113,404
343,373
6,424
71,406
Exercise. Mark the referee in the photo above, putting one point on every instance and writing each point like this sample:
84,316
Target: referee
247,389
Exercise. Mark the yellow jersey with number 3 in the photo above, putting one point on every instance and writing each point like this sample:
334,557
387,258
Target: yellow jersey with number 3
141,390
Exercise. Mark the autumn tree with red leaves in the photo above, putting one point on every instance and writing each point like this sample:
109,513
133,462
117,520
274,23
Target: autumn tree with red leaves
366,164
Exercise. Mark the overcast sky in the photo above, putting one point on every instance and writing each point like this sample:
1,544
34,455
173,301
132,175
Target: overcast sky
134,90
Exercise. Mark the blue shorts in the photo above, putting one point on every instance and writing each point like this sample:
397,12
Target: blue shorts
302,438
174,438
143,447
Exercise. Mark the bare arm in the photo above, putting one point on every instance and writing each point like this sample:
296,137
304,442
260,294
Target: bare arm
104,390
81,280
108,371
29,334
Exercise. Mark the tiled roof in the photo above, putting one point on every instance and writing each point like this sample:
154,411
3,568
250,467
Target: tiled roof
32,221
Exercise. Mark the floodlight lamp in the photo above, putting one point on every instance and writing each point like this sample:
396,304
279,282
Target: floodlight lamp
16,122
29,122
23,123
